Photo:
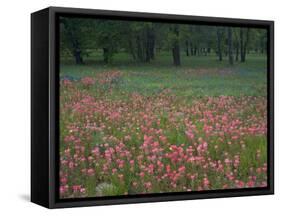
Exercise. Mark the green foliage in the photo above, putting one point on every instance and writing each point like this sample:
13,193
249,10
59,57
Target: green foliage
144,41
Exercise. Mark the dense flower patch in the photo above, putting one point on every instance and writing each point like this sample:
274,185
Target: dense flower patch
160,143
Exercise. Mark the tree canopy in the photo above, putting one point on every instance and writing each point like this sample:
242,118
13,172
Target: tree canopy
145,40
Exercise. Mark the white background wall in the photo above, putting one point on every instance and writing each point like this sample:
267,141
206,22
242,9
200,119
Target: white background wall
15,106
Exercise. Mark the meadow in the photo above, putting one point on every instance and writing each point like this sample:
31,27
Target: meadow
134,128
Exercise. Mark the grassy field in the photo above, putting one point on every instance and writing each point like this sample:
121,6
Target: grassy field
132,128
198,76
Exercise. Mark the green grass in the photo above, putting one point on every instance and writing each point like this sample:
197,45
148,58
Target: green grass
197,76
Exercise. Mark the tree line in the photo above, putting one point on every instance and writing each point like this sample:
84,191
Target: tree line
144,40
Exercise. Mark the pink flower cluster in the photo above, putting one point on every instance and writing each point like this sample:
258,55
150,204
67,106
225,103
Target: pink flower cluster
87,81
159,144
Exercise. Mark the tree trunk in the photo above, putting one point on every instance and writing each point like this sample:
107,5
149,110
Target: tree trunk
149,47
195,51
105,55
237,52
187,48
230,55
176,55
219,45
243,43
152,44
139,49
242,58
77,56
76,51
246,43
176,46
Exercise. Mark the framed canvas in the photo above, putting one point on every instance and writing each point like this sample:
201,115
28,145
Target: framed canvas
139,107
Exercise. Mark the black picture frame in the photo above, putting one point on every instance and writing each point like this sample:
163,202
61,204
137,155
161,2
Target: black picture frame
45,101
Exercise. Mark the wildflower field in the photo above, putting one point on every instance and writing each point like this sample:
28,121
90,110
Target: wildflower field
141,128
